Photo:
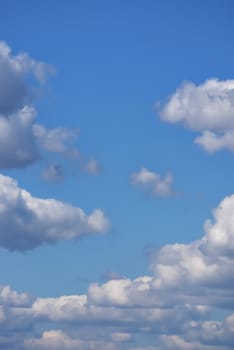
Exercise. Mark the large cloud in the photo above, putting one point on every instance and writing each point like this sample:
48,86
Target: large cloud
26,221
208,108
200,272
173,307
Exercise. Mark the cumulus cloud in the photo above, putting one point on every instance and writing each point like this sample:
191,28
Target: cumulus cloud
219,238
27,221
208,108
14,70
17,143
53,173
21,137
13,298
186,275
199,272
172,307
157,185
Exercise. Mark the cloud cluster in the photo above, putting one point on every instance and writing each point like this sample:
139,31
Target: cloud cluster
27,221
173,306
14,70
208,108
17,143
21,138
157,185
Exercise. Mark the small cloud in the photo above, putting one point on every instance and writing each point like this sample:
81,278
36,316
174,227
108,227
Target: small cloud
121,337
92,167
57,140
157,185
53,173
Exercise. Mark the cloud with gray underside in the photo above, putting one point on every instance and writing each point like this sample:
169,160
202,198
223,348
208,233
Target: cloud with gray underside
27,222
21,138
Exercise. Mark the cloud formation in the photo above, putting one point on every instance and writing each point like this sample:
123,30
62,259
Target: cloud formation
21,138
207,108
14,70
27,221
57,140
17,143
153,182
172,307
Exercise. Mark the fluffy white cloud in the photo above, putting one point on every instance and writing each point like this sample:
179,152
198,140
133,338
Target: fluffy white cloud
160,187
172,307
13,298
208,107
200,272
213,142
13,72
20,136
26,221
219,237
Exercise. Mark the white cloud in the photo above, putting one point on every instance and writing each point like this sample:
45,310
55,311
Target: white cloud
59,340
208,107
157,185
19,135
173,306
58,140
200,272
121,337
13,298
26,221
219,237
17,144
13,72
213,142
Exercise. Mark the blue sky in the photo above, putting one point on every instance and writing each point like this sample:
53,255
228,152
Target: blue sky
134,119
